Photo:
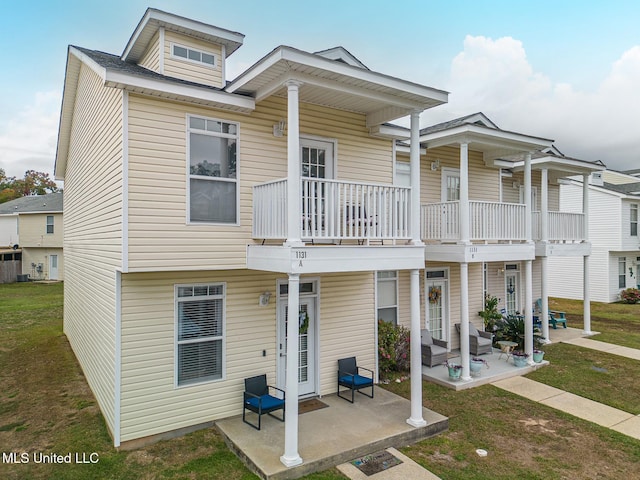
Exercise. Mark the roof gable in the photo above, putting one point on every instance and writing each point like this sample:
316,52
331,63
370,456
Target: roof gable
341,54
153,19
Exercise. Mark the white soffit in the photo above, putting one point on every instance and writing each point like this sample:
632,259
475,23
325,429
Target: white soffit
335,84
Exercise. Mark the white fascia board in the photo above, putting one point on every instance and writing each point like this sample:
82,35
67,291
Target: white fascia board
490,136
394,132
314,61
124,80
407,150
89,62
569,165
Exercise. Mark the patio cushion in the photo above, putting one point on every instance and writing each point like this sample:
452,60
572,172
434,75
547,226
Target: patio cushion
473,330
484,341
437,350
357,380
425,337
268,402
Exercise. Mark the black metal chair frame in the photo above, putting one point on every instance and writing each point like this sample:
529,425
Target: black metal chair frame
349,367
256,387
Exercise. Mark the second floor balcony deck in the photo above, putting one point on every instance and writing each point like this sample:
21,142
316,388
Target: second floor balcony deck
491,222
334,211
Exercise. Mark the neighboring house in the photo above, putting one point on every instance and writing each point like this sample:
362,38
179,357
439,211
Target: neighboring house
199,212
35,224
614,199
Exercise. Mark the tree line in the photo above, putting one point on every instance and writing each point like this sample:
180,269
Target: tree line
33,183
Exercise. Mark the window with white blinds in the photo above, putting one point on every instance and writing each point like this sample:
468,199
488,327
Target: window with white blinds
200,311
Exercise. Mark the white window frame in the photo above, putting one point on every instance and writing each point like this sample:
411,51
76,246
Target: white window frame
622,272
222,338
444,190
393,279
190,60
212,179
50,225
633,223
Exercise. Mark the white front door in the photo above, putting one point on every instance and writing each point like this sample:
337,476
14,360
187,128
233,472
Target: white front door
306,343
437,314
511,285
53,267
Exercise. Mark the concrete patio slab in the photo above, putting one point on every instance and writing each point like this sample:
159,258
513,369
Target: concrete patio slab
630,427
586,409
408,469
530,389
330,436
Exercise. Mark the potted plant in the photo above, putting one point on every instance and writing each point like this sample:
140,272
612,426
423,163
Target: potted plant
538,353
520,358
475,365
455,370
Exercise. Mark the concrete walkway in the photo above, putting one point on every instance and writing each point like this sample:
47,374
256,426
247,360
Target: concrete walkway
408,469
575,405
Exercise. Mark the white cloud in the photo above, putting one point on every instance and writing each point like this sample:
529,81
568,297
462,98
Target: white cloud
28,139
494,76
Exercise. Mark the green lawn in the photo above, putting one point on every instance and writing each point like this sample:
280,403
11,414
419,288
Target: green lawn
46,406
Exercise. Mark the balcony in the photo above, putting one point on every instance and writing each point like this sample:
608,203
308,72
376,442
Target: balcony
562,227
488,222
334,211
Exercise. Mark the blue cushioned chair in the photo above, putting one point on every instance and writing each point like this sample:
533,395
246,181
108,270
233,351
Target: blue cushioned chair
349,377
258,400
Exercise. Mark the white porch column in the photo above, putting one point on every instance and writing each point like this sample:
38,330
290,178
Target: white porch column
414,158
544,238
291,458
416,419
464,320
294,188
585,275
464,195
527,198
528,314
544,295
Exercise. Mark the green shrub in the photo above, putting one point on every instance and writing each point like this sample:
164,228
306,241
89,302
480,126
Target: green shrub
393,348
490,314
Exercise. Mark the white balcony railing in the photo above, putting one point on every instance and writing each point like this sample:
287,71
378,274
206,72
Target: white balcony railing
334,210
562,227
494,221
489,221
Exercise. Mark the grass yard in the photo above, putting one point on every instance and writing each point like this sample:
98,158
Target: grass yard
46,406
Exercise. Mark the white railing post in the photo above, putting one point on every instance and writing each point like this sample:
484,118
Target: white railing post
527,197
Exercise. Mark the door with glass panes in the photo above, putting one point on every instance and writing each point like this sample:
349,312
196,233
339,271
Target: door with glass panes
316,161
437,315
306,319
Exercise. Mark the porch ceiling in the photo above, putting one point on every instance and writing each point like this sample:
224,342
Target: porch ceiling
334,84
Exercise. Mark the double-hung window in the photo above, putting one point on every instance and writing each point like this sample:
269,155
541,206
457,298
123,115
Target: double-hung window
388,296
49,223
622,272
213,183
633,213
200,329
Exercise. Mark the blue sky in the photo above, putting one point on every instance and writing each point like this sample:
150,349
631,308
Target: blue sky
566,70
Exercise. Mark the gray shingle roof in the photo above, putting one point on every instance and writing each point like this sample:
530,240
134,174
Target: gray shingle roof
446,125
51,202
626,188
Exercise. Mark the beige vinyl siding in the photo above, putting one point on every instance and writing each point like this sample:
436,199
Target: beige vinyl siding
189,70
348,324
9,230
160,239
151,58
151,403
484,182
33,230
34,256
93,234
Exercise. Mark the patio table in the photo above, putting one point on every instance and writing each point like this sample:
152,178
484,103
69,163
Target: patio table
506,348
